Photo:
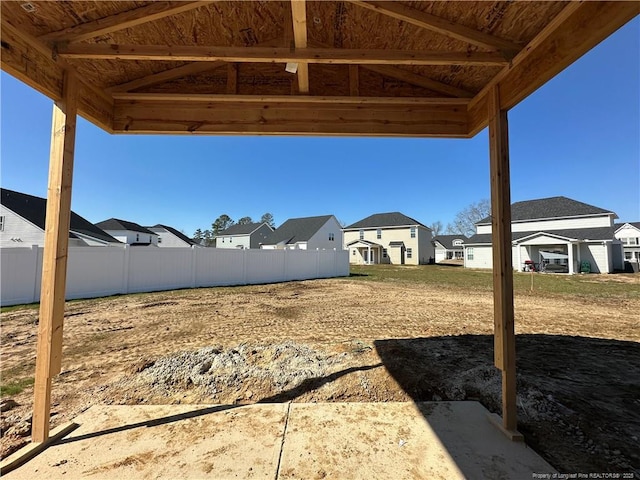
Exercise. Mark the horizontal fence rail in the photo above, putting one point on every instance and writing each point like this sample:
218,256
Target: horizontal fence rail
102,271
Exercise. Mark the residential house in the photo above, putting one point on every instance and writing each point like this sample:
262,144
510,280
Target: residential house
389,238
554,234
22,223
306,233
129,232
170,237
248,235
449,247
629,234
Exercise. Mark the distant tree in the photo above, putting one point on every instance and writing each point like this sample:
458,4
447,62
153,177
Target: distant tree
436,228
464,221
223,222
207,237
245,221
197,236
268,219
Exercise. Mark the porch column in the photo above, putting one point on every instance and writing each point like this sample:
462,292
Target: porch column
504,335
54,267
369,255
571,269
519,269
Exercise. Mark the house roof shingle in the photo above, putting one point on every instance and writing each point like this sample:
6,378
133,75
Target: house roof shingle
177,233
117,224
242,229
447,240
391,219
599,233
34,209
552,207
296,230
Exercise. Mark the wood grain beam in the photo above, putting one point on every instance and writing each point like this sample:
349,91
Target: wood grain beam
441,25
275,55
419,80
54,263
354,80
120,21
232,78
578,28
503,312
299,17
32,62
290,118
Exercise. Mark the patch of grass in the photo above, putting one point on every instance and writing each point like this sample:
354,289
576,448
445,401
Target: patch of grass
470,279
14,388
12,308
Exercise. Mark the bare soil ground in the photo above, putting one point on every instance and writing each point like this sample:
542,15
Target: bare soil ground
349,340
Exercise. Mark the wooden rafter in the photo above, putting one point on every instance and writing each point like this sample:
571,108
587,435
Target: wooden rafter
440,25
419,80
299,17
232,78
276,55
354,81
120,21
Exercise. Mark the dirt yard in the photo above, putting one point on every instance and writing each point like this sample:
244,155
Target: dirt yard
349,340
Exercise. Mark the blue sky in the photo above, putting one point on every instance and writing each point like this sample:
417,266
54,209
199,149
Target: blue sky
578,136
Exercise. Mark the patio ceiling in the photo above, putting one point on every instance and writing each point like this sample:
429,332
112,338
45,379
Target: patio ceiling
362,67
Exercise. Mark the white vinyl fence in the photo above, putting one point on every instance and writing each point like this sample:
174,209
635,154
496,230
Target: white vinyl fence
102,271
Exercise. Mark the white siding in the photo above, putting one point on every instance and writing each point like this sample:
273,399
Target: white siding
130,237
628,232
94,272
482,257
440,253
233,241
555,224
596,254
320,240
168,239
18,232
425,250
480,229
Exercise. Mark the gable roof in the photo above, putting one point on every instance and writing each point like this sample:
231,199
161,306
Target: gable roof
177,233
296,230
618,226
552,207
391,219
117,224
243,229
598,233
447,240
34,209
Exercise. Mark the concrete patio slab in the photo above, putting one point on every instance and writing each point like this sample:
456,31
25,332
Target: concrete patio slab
286,441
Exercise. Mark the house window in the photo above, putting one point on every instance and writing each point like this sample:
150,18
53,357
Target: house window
379,234
632,241
159,239
2,223
413,232
361,234
470,253
384,253
353,252
627,255
331,237
457,243
409,252
137,237
231,240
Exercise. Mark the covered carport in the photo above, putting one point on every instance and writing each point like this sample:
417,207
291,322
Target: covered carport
206,67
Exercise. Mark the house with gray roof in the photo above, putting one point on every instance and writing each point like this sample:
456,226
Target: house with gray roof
246,235
171,237
129,232
556,234
306,233
629,234
389,238
449,247
22,223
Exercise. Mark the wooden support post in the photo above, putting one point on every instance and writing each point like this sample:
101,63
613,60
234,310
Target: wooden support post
232,78
354,81
56,241
504,334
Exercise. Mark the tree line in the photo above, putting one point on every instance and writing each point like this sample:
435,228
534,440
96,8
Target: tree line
465,220
223,222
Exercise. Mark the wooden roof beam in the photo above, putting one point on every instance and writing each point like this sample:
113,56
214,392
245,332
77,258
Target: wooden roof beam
299,16
419,80
440,25
276,55
120,21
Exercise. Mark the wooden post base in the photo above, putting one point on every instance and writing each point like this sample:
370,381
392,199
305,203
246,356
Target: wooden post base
513,435
29,451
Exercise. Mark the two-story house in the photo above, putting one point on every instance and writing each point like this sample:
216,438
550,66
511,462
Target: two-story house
449,247
171,237
22,223
247,235
629,234
388,238
129,232
555,234
306,233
